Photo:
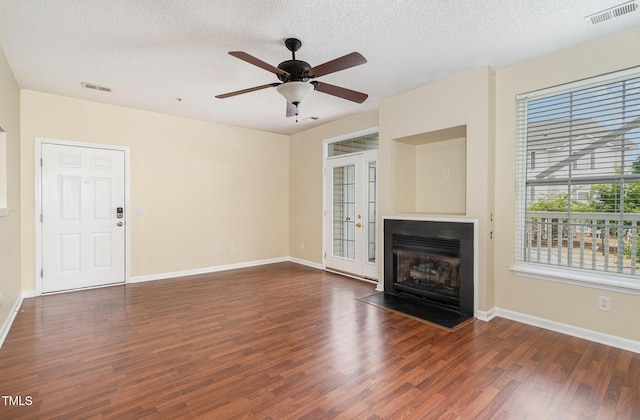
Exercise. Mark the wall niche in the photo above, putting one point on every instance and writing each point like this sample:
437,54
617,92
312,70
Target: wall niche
432,172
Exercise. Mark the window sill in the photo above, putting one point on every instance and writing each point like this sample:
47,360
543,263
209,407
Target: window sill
4,211
605,281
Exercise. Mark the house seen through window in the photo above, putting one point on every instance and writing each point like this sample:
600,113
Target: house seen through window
579,176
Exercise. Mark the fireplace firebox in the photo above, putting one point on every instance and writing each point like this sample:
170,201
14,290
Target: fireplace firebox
430,262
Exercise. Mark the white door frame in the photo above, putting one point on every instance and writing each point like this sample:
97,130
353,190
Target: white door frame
38,203
325,158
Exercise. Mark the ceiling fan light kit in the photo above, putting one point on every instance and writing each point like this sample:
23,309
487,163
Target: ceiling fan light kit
294,76
294,92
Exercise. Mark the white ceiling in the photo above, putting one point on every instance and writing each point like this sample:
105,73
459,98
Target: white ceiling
151,52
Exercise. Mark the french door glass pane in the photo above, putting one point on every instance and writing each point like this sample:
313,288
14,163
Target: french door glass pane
371,222
344,211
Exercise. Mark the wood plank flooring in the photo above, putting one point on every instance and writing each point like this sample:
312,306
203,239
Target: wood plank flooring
285,341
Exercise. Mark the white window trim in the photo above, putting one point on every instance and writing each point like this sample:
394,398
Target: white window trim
582,84
567,275
359,133
595,280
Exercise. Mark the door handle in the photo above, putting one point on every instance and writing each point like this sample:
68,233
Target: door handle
120,223
358,224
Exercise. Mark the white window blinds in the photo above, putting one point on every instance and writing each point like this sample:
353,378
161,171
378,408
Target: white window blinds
579,175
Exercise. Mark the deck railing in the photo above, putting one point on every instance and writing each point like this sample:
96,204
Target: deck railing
606,242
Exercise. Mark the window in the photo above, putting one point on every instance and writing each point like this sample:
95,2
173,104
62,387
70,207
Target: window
579,209
354,145
533,159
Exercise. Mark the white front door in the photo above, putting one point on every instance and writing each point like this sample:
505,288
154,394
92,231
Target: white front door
82,195
351,214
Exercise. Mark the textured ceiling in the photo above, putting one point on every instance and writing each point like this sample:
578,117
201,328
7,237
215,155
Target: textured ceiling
151,52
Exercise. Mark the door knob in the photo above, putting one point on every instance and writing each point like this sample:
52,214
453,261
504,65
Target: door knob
120,223
358,224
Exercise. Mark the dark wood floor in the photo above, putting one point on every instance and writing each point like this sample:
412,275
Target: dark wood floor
286,341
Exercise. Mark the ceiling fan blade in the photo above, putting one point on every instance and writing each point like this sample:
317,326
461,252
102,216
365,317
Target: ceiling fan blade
340,92
257,62
291,109
342,63
240,92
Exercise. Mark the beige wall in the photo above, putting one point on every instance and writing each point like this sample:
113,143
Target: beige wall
405,178
463,100
202,185
306,183
434,192
421,186
10,225
562,303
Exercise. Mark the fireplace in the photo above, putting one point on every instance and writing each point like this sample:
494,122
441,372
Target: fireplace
430,262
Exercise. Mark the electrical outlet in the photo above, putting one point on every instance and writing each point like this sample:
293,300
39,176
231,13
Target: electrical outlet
216,251
232,249
301,246
446,174
604,303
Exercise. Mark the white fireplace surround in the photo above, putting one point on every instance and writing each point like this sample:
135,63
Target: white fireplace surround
451,219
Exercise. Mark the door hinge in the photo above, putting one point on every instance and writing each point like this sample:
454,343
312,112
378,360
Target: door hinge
41,273
41,162
325,255
40,217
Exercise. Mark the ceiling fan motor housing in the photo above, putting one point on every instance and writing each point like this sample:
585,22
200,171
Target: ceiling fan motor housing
298,71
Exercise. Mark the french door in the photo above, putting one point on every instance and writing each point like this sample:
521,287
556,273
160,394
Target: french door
82,217
351,231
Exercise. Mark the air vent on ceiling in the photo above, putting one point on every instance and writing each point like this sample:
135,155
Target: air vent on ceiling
613,12
95,87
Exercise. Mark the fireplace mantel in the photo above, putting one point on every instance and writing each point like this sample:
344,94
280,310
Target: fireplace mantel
432,218
444,219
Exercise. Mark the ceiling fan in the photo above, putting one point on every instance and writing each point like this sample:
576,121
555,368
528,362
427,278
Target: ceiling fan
294,76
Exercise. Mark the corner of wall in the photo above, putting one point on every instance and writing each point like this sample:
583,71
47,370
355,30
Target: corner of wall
10,229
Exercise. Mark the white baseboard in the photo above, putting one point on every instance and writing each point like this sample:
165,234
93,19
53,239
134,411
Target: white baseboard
485,315
205,270
598,337
307,263
9,321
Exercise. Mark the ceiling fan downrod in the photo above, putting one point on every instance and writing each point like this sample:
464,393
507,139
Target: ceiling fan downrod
293,45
